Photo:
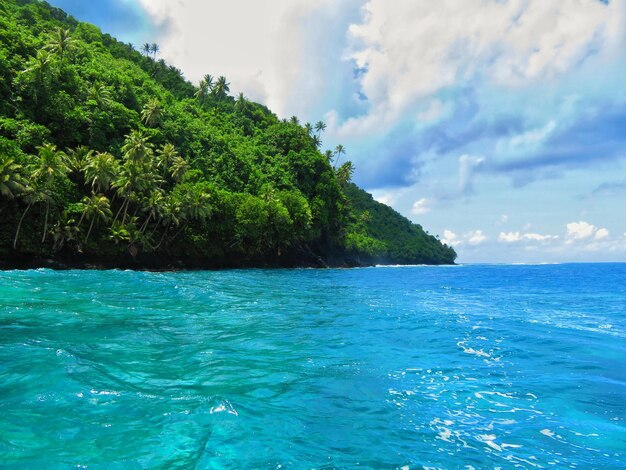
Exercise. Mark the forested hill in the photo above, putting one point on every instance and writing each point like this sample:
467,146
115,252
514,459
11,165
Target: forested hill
109,156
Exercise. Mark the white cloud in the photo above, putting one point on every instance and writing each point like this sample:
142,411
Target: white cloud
279,51
538,237
411,49
514,237
468,165
275,53
510,237
601,233
450,238
421,206
475,237
580,230
532,138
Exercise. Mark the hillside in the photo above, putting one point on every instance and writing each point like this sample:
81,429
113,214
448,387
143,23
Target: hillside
109,156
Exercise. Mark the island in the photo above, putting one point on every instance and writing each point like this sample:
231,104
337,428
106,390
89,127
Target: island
110,158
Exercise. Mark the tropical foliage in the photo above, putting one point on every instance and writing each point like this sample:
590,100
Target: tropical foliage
107,152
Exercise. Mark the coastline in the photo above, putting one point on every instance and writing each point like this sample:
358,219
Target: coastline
171,264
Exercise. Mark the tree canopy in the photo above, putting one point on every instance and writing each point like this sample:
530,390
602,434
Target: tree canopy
107,152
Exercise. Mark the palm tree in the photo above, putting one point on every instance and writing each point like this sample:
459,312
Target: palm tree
329,155
125,185
222,87
345,171
308,128
96,208
339,150
136,147
76,159
61,43
316,141
171,213
39,66
11,179
202,92
320,127
154,49
100,94
51,165
146,48
209,80
167,154
241,103
294,120
152,112
179,168
152,206
101,171
63,231
30,196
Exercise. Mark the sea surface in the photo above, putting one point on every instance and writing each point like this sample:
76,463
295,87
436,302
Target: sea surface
477,366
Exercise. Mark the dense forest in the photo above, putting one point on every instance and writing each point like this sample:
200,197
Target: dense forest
109,155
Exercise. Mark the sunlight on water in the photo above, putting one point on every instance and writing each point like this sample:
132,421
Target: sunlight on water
477,366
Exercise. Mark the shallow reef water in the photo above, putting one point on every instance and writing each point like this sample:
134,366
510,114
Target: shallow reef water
476,366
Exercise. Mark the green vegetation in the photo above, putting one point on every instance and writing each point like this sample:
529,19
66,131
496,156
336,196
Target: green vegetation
108,153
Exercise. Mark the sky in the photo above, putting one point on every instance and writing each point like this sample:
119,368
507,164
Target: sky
498,125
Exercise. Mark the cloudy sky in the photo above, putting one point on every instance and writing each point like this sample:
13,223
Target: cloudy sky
499,125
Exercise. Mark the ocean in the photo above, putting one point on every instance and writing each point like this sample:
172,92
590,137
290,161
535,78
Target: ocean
475,366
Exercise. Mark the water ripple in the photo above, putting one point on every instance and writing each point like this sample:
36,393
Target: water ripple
472,367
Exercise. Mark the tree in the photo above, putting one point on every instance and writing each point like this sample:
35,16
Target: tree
241,103
137,148
101,171
179,168
222,87
317,142
146,48
152,112
210,81
50,165
202,92
100,95
61,43
154,49
344,172
39,67
77,158
11,178
339,150
320,127
30,196
167,155
95,208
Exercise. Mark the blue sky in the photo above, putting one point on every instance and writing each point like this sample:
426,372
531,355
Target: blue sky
498,125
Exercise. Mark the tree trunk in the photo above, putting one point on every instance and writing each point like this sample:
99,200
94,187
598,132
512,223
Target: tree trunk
45,223
80,221
118,212
89,231
125,212
19,225
162,237
145,224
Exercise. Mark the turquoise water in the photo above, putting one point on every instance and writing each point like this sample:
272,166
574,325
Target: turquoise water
446,367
